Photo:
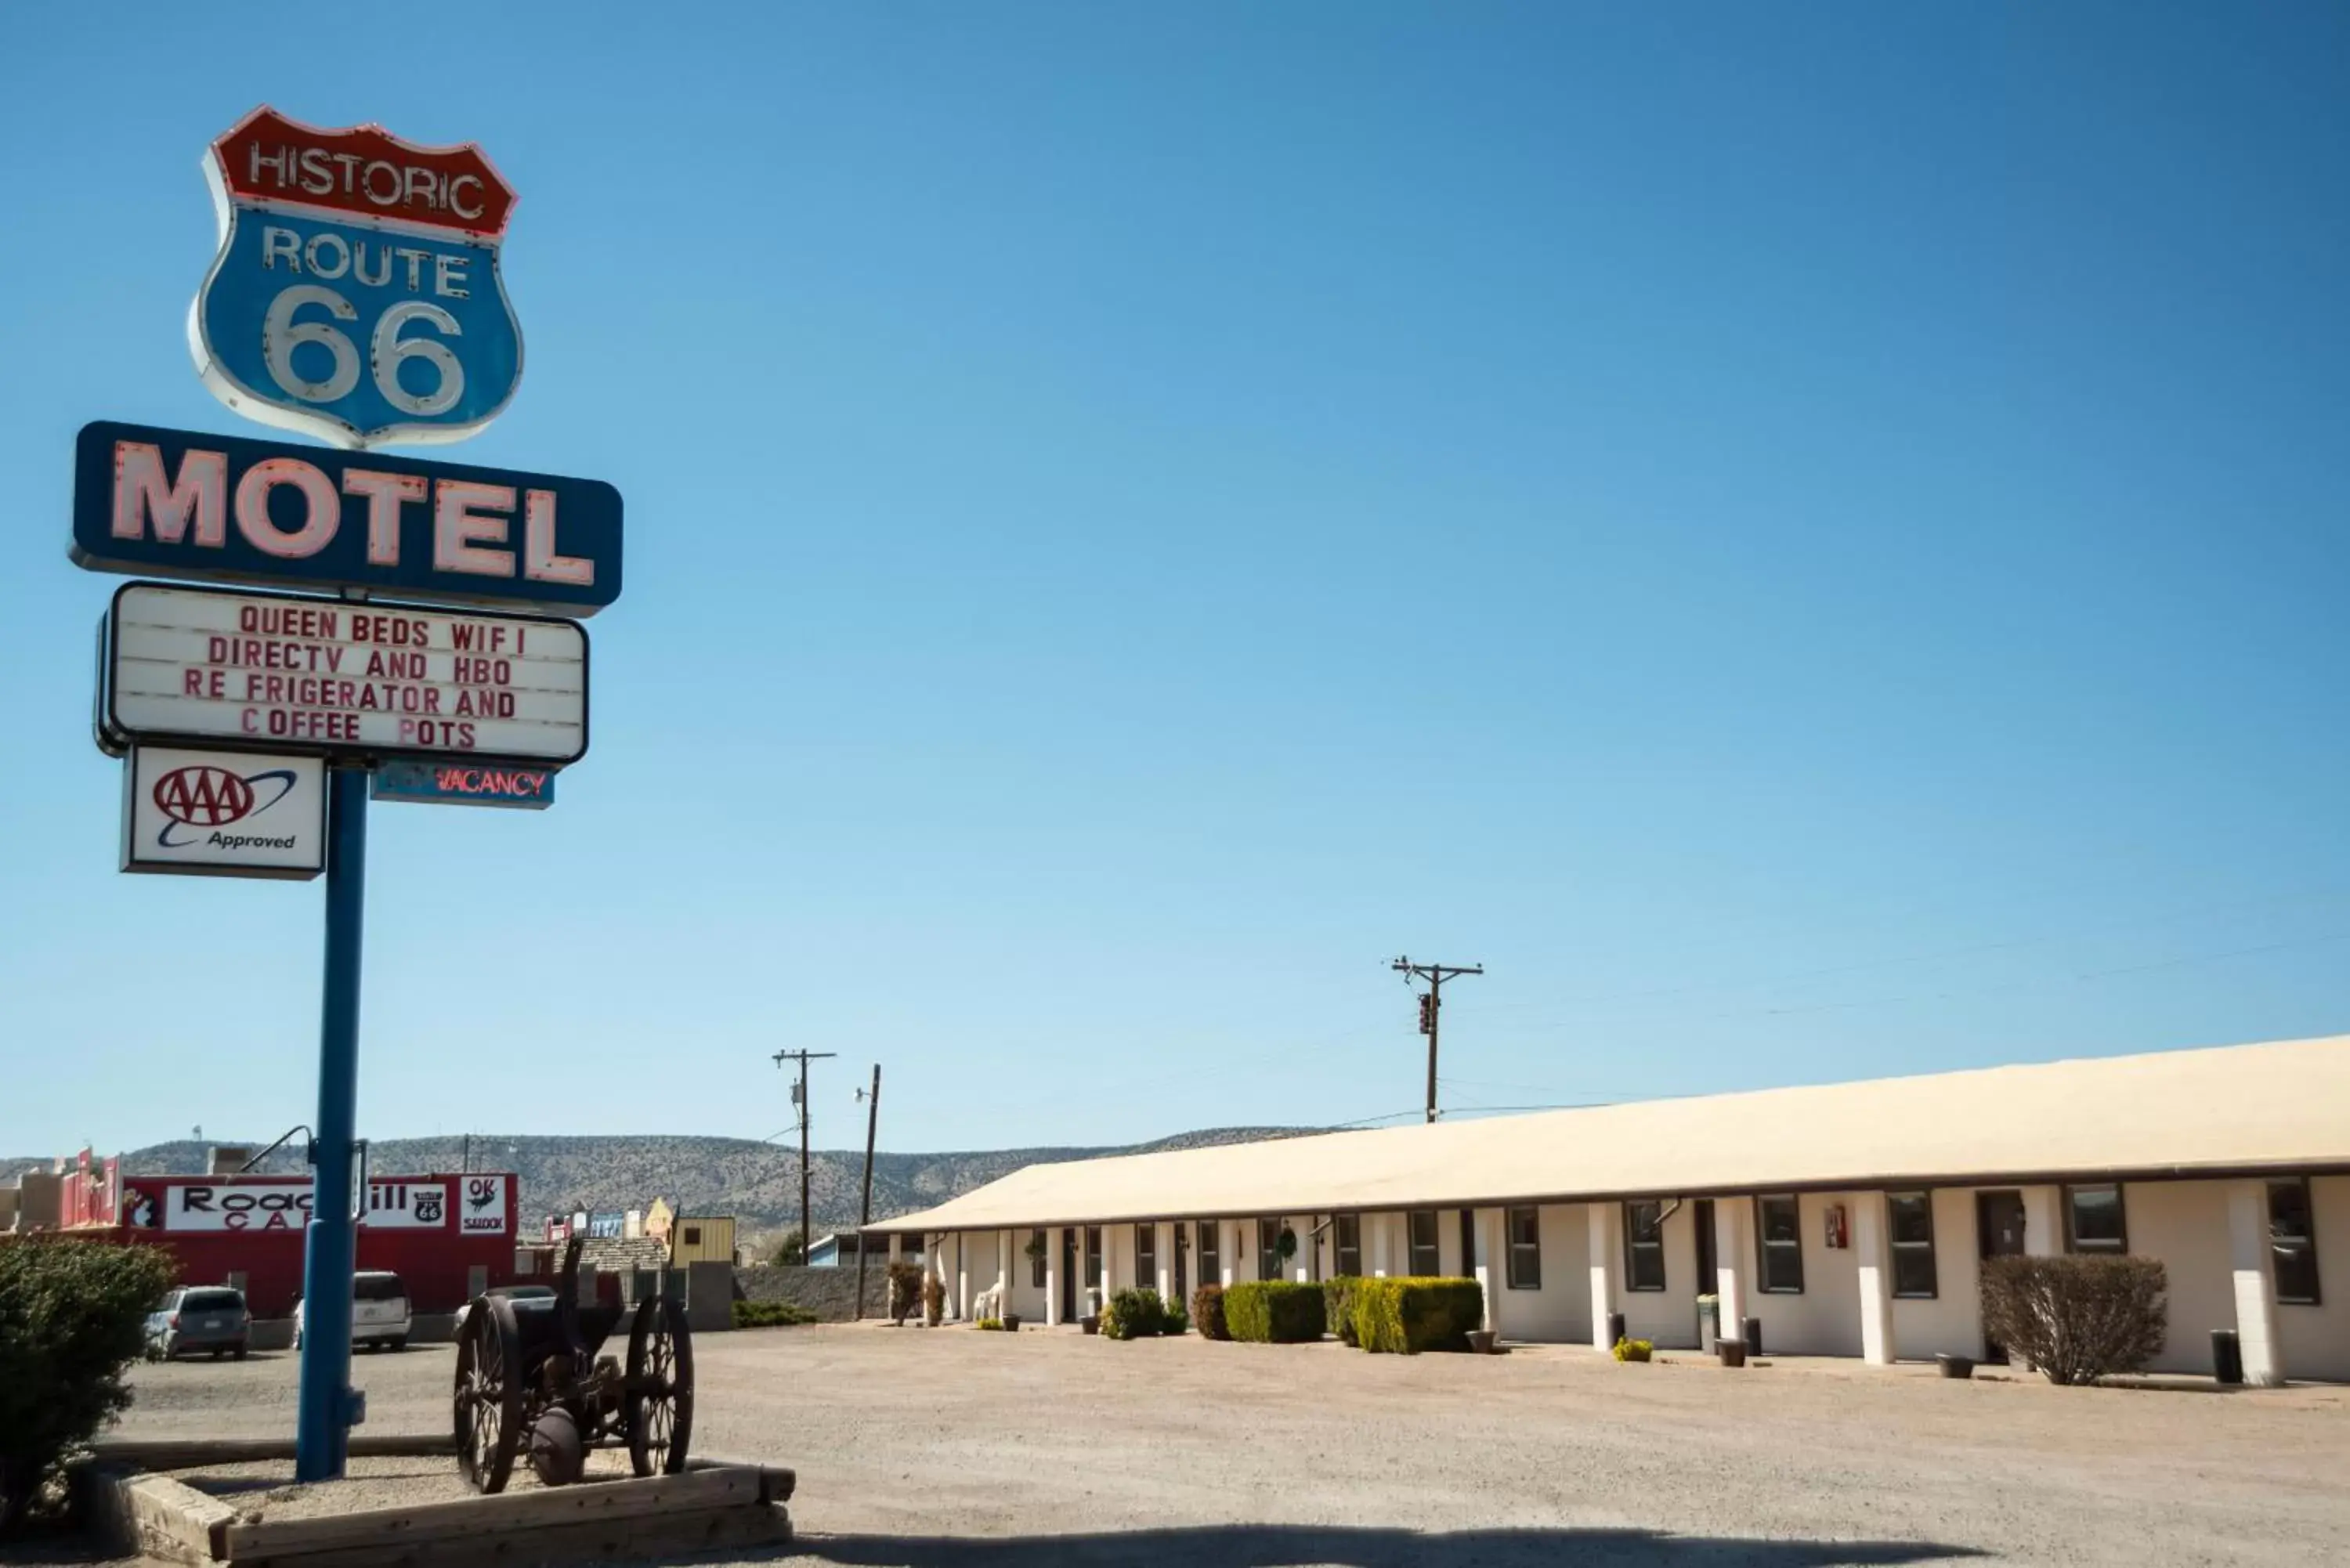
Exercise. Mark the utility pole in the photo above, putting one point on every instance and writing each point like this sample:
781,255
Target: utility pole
799,1098
1432,1003
865,1206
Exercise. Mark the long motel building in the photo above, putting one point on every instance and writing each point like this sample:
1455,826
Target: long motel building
1846,1219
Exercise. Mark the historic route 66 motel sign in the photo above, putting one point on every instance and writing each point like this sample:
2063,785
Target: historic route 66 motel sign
356,297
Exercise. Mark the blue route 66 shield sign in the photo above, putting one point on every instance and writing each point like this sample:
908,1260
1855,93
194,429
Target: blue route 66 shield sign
357,295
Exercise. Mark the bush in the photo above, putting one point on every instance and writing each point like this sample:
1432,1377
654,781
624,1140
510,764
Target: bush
1275,1312
2077,1319
1406,1316
770,1315
905,1290
1134,1315
1633,1349
934,1299
73,1317
990,1324
1208,1312
1338,1306
1176,1322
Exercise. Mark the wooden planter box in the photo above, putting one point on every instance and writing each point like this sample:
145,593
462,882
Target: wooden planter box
714,1504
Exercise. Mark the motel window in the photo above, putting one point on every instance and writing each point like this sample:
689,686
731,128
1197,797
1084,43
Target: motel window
1910,1217
2293,1242
1424,1260
1525,1249
2094,1222
693,1235
1093,1257
1781,1230
1644,1245
1145,1255
1268,1249
1211,1263
1036,1258
1347,1232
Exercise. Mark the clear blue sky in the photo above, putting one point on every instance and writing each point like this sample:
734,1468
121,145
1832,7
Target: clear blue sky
1811,540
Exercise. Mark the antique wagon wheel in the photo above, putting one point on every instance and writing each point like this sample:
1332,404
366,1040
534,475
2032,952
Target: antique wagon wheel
661,1387
488,1406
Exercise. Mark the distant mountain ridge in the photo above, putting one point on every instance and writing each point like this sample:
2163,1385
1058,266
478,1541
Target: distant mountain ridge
757,1182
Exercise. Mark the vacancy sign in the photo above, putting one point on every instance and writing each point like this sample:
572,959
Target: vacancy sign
192,665
224,814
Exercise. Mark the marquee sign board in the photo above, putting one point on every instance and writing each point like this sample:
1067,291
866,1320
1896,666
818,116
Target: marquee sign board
167,503
209,667
463,784
224,814
357,295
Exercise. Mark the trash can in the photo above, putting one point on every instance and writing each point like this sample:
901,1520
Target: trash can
1615,1329
1753,1336
1709,1324
2227,1356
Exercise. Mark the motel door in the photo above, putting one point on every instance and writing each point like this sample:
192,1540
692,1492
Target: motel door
1068,1275
1182,1251
1999,1232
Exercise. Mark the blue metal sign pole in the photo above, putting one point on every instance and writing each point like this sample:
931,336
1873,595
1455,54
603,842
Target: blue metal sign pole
322,1422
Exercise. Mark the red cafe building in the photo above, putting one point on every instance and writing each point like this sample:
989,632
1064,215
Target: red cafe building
448,1237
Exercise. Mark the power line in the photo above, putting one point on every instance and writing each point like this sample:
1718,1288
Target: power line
800,1098
1431,1004
1576,1005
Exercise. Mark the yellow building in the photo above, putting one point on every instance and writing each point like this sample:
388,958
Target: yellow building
702,1238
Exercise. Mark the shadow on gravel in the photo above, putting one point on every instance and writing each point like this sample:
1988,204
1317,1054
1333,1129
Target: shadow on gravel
1296,1545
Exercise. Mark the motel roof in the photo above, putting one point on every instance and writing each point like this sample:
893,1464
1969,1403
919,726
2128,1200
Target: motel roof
2231,1110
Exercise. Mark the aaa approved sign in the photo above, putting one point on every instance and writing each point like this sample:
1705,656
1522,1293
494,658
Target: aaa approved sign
224,814
268,671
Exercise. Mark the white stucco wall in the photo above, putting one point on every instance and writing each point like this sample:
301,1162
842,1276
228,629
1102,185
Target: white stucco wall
1561,1310
1824,1318
1950,1323
2316,1339
2185,1224
1667,1317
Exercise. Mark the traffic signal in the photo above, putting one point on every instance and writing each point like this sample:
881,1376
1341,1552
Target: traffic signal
1428,1013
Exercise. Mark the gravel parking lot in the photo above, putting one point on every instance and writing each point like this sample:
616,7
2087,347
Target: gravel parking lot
947,1449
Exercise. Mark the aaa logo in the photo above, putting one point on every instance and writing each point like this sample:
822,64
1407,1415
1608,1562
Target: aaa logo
204,796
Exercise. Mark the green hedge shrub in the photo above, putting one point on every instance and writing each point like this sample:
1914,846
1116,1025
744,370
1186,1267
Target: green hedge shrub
770,1315
1634,1349
1134,1315
73,1317
2077,1318
1208,1312
1275,1312
1177,1322
1406,1316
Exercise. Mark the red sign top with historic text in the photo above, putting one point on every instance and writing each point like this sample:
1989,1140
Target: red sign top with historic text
364,172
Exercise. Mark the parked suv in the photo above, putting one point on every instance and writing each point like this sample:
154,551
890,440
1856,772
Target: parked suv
200,1317
380,1314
